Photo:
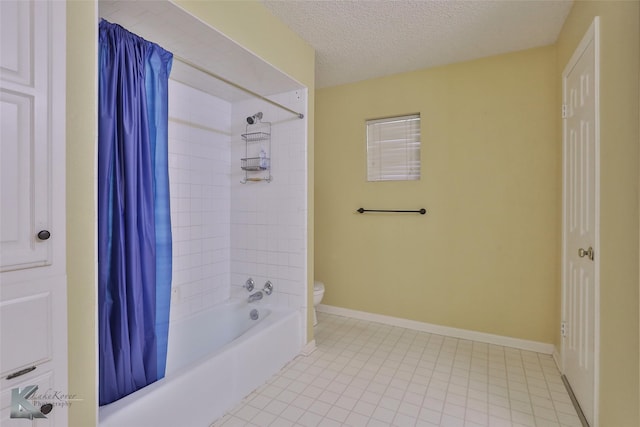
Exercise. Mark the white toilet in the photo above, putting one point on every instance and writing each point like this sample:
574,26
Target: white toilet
318,293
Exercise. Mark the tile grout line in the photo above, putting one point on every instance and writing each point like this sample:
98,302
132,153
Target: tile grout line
399,370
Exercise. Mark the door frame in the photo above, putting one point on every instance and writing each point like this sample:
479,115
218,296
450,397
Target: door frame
592,35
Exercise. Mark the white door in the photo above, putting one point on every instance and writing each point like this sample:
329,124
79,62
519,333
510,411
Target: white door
33,302
580,223
24,138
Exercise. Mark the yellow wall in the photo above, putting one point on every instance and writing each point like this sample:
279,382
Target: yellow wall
240,21
620,33
484,257
82,219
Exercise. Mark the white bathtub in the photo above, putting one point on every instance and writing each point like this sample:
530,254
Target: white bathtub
215,358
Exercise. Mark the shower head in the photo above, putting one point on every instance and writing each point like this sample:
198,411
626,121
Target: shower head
255,118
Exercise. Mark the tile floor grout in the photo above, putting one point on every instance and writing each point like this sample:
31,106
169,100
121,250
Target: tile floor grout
370,374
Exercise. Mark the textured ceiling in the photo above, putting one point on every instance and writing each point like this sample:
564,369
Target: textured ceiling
359,40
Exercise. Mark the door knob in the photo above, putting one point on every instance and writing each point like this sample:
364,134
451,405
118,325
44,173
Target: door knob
589,253
44,234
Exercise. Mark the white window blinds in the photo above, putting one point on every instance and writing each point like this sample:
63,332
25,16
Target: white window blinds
393,148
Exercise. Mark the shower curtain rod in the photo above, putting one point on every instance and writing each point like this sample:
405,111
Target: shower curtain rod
237,86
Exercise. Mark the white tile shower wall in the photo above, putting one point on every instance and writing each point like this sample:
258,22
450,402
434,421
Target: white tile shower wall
199,175
269,219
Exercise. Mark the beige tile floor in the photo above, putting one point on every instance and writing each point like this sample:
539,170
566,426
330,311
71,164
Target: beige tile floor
369,374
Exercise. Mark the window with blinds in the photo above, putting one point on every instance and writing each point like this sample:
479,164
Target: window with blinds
393,148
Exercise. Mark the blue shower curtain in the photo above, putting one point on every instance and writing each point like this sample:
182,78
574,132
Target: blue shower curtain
134,225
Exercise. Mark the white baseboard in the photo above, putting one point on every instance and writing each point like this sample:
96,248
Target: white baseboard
309,348
557,358
538,347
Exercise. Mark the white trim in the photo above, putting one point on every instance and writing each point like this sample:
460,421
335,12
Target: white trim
309,348
592,35
465,334
557,357
596,380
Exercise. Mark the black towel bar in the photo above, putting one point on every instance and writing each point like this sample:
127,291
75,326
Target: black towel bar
420,211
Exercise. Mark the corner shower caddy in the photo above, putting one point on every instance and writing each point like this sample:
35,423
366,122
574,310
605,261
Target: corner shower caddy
256,162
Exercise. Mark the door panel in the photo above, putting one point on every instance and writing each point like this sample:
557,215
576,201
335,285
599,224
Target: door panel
25,143
580,225
26,331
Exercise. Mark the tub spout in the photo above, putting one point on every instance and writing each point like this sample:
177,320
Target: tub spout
255,296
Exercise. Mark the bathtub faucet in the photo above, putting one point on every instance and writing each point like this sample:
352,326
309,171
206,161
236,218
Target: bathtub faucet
255,296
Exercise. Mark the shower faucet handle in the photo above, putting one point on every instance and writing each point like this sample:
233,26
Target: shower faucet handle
268,287
249,284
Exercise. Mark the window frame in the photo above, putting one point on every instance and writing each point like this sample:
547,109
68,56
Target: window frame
384,162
